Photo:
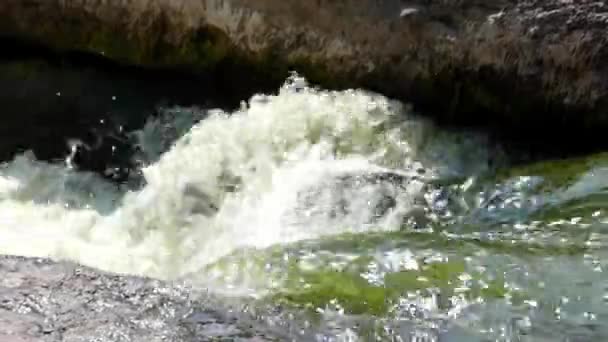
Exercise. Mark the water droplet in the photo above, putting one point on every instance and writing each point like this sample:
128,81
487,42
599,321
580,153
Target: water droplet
590,316
524,322
531,303
407,11
575,220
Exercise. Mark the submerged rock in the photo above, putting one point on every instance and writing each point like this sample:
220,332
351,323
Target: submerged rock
41,300
356,199
522,67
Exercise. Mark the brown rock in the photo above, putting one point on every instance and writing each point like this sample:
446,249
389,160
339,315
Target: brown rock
511,65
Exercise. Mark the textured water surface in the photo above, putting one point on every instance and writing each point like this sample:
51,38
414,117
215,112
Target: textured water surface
335,216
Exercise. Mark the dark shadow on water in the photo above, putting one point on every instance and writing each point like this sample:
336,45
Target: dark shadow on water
48,99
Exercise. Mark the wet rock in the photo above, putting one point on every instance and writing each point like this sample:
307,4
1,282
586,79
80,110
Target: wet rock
41,300
519,67
363,198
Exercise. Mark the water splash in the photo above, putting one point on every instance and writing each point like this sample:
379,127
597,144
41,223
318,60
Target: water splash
340,208
298,165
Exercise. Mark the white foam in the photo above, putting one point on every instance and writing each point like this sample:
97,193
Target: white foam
232,181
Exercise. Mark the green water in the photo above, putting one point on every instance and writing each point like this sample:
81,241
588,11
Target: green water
522,259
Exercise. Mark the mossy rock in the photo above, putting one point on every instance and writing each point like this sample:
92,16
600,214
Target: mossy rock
355,295
557,173
350,291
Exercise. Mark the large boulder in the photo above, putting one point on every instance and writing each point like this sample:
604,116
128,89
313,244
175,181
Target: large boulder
525,67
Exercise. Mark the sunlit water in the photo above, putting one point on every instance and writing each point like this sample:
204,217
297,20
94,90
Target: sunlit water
336,216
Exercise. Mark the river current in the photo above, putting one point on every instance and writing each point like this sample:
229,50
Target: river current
335,216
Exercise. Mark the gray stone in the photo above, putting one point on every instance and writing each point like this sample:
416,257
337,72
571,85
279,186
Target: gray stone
42,300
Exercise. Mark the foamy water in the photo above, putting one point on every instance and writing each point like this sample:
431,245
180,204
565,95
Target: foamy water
344,206
233,180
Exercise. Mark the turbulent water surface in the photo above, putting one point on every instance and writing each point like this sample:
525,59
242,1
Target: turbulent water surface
335,216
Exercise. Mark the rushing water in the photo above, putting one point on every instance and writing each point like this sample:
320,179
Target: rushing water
335,216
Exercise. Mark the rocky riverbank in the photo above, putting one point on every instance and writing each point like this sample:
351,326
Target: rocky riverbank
42,300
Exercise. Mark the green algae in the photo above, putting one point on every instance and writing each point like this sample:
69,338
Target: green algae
462,245
347,287
442,275
558,173
345,284
353,293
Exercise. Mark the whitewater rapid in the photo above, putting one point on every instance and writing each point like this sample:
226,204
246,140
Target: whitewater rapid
236,180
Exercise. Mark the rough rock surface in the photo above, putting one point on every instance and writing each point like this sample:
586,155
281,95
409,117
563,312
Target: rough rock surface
42,300
512,65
